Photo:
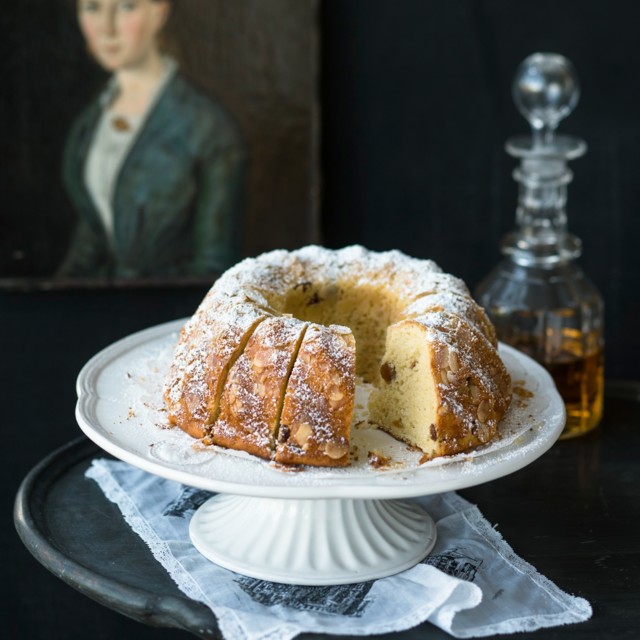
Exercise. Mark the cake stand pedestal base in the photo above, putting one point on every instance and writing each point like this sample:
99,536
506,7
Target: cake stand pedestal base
312,542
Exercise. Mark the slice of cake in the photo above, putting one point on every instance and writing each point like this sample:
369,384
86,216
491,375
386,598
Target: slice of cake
443,390
318,404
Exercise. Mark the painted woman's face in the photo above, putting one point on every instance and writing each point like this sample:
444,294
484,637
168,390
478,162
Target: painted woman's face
121,34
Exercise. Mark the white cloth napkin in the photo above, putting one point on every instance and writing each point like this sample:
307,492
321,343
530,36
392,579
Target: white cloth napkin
471,585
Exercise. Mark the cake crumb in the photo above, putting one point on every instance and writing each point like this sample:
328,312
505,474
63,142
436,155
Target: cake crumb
287,468
521,391
377,460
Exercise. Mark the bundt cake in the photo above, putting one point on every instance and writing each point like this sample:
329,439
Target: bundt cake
268,362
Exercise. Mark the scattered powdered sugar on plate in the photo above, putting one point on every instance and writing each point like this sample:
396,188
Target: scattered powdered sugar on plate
121,408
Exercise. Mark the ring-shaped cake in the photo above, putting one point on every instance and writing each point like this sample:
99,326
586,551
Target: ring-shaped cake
269,361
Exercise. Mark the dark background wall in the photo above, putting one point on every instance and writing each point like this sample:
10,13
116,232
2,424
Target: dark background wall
416,108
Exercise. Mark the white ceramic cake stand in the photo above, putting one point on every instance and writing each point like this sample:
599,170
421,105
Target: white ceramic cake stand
314,526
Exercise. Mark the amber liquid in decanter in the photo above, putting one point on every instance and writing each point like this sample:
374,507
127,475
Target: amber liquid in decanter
578,375
580,381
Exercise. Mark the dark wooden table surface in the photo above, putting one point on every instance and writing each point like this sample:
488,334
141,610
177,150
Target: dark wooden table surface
573,514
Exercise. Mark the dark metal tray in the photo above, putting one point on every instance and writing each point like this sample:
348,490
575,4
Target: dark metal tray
74,531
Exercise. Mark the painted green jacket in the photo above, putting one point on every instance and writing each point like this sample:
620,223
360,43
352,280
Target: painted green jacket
178,197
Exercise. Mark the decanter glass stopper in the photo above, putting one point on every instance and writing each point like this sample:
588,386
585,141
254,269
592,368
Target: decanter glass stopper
545,89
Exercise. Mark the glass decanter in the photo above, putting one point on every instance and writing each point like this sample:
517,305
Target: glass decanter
538,297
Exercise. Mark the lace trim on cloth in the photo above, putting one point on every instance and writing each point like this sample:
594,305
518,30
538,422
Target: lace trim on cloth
158,547
573,609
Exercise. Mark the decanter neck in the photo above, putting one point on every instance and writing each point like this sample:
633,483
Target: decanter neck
541,237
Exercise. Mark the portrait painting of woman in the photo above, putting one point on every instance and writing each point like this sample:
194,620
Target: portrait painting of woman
154,168
155,141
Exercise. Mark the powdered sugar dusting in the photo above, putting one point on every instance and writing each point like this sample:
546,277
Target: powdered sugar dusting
272,274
